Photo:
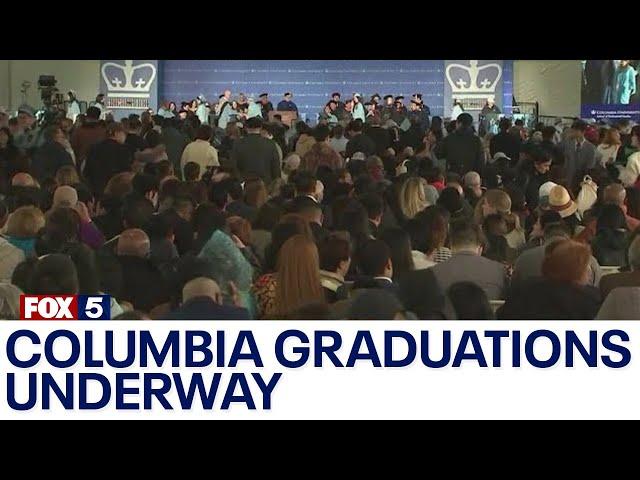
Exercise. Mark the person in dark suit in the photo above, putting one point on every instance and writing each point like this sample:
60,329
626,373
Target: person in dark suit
506,142
255,155
380,136
51,156
375,263
579,154
266,106
202,300
462,149
359,142
108,158
143,285
624,279
286,104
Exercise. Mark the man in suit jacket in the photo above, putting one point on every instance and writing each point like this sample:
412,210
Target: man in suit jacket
50,156
202,300
463,149
624,279
256,155
467,265
579,153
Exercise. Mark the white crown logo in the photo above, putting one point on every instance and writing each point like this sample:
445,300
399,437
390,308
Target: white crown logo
132,81
473,81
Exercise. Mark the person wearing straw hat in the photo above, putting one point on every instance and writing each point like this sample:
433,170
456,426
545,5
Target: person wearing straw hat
561,202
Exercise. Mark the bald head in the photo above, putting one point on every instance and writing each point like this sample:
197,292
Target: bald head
614,194
65,196
134,242
202,287
22,179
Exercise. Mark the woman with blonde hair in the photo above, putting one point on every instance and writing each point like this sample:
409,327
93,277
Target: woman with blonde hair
499,202
608,150
412,197
67,175
23,227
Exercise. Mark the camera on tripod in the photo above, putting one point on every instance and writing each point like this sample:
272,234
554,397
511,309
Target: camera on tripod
52,100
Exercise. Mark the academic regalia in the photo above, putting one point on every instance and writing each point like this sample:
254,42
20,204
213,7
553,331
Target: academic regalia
287,106
73,110
225,115
399,114
254,110
624,85
358,112
202,112
266,108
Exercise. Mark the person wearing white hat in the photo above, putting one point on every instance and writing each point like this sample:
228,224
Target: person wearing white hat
543,194
358,112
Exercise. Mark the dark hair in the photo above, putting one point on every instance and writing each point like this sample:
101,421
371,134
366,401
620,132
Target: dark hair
54,274
353,218
548,132
321,133
187,269
206,220
374,204
399,245
267,217
333,250
373,257
144,183
84,259
580,125
204,132
337,131
429,228
633,202
114,128
611,217
504,124
159,227
21,275
280,234
305,182
451,200
465,119
219,192
302,205
235,189
191,171
465,233
136,211
254,123
549,216
355,126
494,228
50,132
93,113
152,139
470,302
62,226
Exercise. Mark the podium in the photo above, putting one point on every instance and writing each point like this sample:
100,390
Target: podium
288,117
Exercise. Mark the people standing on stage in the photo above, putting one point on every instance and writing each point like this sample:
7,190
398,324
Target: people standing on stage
265,105
202,110
399,111
624,84
372,112
457,109
490,107
424,111
226,109
165,110
99,104
73,109
328,114
358,109
286,104
335,96
387,108
488,117
375,101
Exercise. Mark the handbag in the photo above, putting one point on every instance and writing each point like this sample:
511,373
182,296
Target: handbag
587,196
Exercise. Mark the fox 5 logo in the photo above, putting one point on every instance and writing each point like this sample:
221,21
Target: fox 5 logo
65,307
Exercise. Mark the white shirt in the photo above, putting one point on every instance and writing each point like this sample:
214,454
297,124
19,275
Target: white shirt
420,260
339,144
633,163
456,111
606,153
202,153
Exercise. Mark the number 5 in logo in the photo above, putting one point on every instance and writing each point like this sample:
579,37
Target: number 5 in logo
94,307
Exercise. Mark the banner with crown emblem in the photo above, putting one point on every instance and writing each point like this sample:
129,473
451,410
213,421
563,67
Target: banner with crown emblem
473,82
130,86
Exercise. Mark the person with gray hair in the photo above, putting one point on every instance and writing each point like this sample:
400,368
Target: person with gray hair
9,301
473,190
202,299
624,279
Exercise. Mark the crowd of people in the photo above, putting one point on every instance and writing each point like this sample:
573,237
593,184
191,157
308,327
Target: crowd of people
356,218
